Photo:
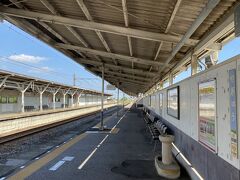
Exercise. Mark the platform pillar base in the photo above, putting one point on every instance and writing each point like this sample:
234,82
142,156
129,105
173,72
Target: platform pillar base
170,171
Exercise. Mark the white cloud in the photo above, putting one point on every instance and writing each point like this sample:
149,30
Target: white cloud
46,68
26,58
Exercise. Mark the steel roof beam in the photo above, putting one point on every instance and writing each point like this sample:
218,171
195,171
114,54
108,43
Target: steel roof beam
109,55
126,80
202,16
89,17
126,20
56,19
174,12
122,74
54,11
46,26
224,26
112,66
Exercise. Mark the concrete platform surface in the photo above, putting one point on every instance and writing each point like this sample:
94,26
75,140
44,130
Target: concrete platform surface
126,152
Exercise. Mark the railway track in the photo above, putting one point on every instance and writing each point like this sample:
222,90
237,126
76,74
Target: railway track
34,129
27,146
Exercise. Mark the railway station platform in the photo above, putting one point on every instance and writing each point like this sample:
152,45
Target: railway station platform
124,152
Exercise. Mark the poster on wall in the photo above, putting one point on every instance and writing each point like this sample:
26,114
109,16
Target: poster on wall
233,112
173,108
207,113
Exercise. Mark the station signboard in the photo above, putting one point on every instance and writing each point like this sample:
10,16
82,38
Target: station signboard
233,112
207,114
111,87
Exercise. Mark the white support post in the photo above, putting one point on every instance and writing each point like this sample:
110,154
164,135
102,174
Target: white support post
194,64
54,97
54,101
64,97
23,90
79,96
64,100
102,98
41,91
22,101
40,101
72,97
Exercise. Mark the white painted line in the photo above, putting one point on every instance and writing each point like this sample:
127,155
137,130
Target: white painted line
68,158
92,132
90,155
2,178
56,166
86,160
103,139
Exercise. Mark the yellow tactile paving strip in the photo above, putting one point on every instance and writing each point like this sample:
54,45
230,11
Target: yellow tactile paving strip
36,165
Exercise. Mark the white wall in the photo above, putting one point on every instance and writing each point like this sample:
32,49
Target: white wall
188,122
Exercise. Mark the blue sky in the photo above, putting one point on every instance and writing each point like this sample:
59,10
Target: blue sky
18,48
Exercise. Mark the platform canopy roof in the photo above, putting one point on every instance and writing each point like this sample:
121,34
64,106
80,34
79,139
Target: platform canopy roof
138,42
11,80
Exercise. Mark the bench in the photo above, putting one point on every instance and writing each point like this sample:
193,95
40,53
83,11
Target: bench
29,108
155,126
45,106
150,121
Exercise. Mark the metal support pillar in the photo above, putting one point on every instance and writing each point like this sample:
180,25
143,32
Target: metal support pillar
40,101
54,101
22,101
118,100
72,99
65,92
102,98
54,97
194,64
23,89
41,90
123,99
170,79
64,100
161,85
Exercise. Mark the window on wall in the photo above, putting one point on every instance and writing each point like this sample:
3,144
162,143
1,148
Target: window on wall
173,108
153,101
12,99
207,113
160,103
3,99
